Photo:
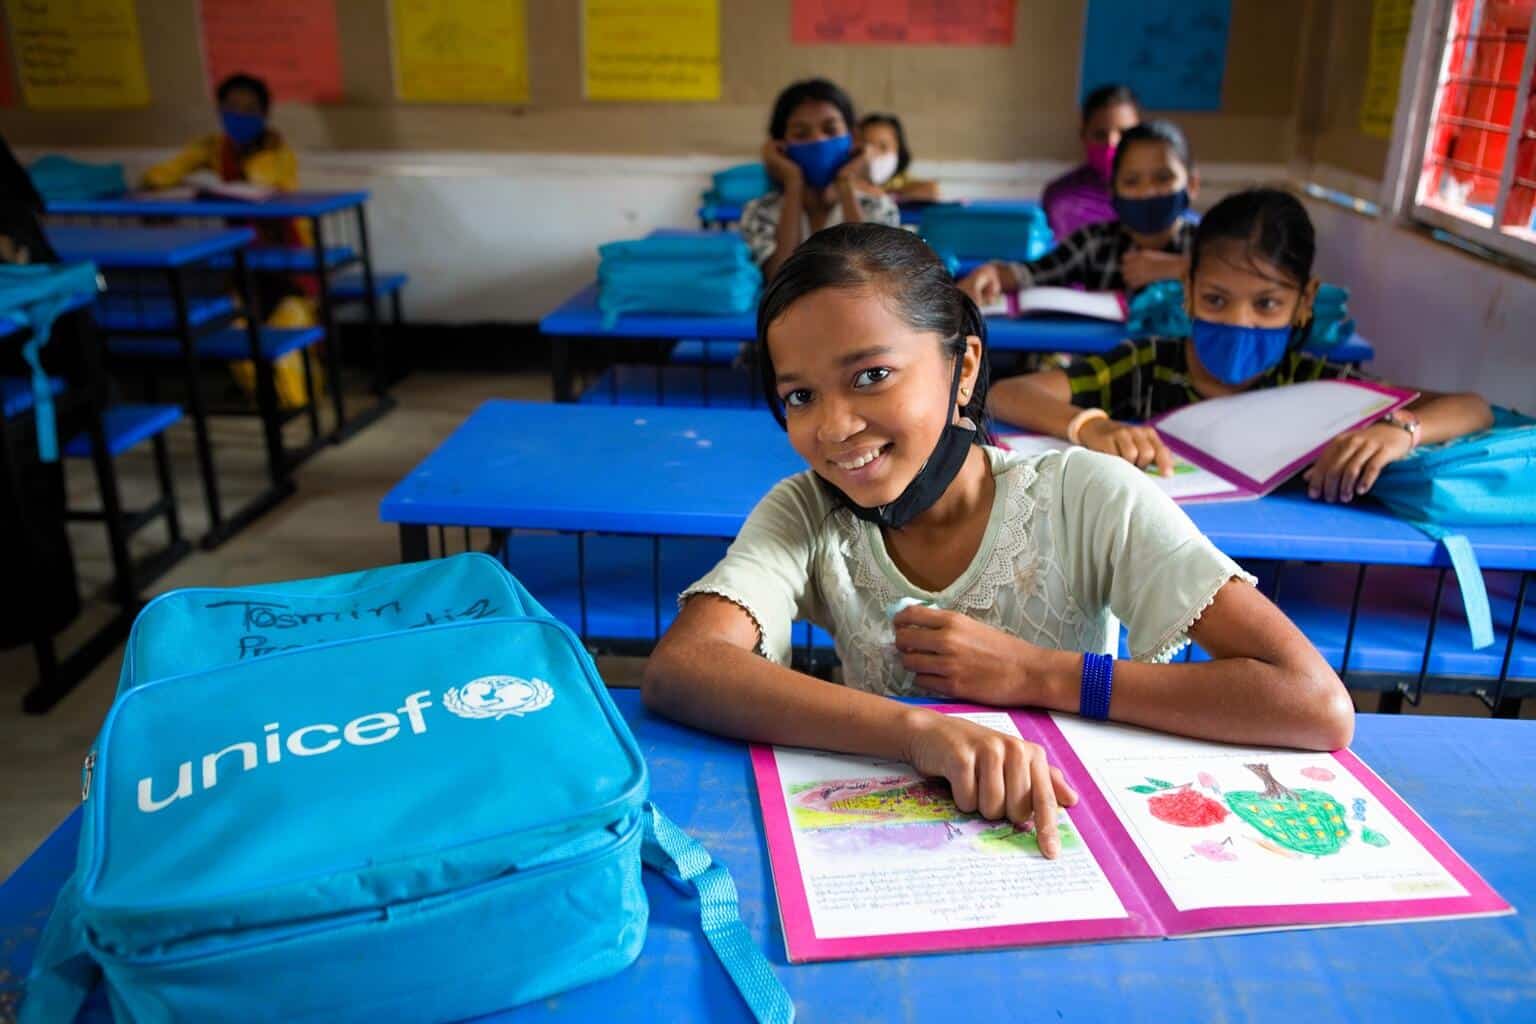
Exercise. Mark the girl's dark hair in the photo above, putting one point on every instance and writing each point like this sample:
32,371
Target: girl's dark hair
1165,132
1272,225
891,121
811,90
250,82
1112,95
902,268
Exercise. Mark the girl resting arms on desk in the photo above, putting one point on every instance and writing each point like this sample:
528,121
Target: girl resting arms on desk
1249,298
876,364
1154,179
818,174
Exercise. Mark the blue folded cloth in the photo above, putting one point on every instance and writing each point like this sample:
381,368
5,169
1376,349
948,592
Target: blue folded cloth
739,184
701,275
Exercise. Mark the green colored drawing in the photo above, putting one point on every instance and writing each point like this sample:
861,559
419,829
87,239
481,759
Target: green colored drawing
893,800
1007,839
1304,820
1371,837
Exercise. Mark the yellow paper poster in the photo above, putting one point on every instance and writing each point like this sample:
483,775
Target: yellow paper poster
78,54
460,51
1390,21
652,49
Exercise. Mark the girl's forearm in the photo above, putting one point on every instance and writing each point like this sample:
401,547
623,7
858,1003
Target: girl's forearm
767,703
1233,700
1029,401
1443,417
789,232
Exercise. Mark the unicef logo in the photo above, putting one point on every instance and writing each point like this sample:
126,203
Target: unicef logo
498,696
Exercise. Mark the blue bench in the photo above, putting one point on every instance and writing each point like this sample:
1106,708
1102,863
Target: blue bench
119,312
637,384
351,288
632,600
277,259
228,344
694,351
16,394
126,427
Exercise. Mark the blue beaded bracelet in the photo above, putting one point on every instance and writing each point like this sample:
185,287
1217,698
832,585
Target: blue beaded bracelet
1098,681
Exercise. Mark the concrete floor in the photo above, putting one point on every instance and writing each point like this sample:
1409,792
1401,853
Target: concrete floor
331,525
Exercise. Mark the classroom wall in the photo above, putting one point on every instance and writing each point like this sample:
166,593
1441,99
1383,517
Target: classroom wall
961,103
1329,145
1440,318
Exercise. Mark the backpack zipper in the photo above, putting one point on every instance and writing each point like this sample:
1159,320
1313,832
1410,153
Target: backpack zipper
87,773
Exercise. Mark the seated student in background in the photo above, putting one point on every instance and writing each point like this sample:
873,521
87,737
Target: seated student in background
811,156
1249,298
944,566
885,145
1154,180
1083,195
247,150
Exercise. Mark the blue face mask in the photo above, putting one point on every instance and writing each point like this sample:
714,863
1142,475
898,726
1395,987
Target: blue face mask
819,161
1237,354
243,128
1152,215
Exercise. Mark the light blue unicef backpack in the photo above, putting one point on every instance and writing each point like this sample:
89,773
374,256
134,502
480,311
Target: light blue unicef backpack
402,794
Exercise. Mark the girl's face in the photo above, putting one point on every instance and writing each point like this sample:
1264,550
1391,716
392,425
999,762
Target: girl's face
815,120
1150,168
1232,286
879,140
1109,123
242,101
865,395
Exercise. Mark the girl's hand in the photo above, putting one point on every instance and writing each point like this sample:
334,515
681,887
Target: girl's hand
1140,446
953,654
984,284
856,171
990,773
1352,461
1141,267
780,167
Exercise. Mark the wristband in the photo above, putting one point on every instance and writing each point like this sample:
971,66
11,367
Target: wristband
1098,682
1075,427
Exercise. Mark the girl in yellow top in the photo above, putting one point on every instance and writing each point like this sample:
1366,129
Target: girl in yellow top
249,151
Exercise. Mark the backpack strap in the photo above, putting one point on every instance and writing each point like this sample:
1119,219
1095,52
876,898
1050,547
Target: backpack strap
1469,578
681,858
41,316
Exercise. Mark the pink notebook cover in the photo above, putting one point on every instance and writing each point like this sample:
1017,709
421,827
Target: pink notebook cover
1150,913
1258,488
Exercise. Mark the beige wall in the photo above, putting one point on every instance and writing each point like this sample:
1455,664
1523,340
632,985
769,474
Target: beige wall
961,103
1336,41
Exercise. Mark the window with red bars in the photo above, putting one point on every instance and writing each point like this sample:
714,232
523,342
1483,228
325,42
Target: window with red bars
1485,69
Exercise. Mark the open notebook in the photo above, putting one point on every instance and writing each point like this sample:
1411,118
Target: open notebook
1244,446
1049,301
1171,838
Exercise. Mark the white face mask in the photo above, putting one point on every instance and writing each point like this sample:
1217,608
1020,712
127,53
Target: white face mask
882,168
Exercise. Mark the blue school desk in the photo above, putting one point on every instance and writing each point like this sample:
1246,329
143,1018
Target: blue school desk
314,207
173,255
657,475
1473,780
723,215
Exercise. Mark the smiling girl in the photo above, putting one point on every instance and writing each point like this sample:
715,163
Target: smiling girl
1249,297
1153,179
875,363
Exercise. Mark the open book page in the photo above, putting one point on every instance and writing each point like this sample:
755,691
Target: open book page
1264,435
870,853
1051,301
1189,482
1228,827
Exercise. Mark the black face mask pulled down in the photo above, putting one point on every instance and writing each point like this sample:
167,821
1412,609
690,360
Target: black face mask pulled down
938,472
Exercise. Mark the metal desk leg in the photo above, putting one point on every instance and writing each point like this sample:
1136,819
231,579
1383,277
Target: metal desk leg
560,352
266,386
375,336
414,546
332,338
205,466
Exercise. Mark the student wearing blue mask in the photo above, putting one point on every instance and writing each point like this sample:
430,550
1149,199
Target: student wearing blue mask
819,171
249,151
1249,298
1154,180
